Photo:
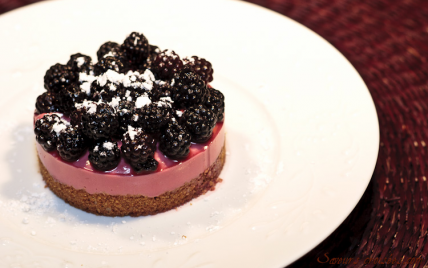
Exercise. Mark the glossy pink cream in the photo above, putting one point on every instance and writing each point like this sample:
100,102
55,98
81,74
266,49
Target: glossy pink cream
170,174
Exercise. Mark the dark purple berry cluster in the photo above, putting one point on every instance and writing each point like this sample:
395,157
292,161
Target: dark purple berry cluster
133,100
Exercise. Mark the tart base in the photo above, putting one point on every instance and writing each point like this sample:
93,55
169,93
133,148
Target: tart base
136,205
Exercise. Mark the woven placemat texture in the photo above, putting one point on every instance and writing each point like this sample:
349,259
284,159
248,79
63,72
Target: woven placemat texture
387,42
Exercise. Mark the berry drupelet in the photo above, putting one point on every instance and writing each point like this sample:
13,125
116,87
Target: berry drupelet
47,129
104,155
166,65
71,144
174,140
138,148
200,121
202,67
59,76
188,88
99,120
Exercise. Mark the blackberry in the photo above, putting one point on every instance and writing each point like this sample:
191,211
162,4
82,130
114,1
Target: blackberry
215,102
124,113
137,48
166,65
200,121
76,118
71,144
69,96
154,51
80,63
160,90
59,76
189,88
104,155
99,120
109,63
47,103
112,49
150,165
134,86
130,93
47,129
105,92
138,148
202,67
174,140
151,117
106,48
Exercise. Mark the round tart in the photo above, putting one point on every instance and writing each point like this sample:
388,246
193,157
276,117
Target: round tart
139,132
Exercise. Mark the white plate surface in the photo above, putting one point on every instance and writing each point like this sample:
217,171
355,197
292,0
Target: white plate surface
302,138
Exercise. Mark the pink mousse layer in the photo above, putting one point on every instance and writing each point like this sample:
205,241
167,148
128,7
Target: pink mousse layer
170,174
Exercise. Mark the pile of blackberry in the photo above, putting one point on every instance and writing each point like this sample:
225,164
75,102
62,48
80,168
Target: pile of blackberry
134,97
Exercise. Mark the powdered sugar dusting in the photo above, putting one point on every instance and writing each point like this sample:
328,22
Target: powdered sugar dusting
86,87
189,59
148,75
115,102
90,106
132,132
170,53
160,82
165,102
84,77
142,101
166,99
128,95
130,79
111,76
108,145
109,54
112,87
148,78
179,113
58,127
80,61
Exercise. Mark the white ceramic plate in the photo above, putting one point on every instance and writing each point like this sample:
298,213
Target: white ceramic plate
302,138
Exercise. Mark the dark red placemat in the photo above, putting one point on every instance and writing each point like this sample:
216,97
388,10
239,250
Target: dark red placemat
387,42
